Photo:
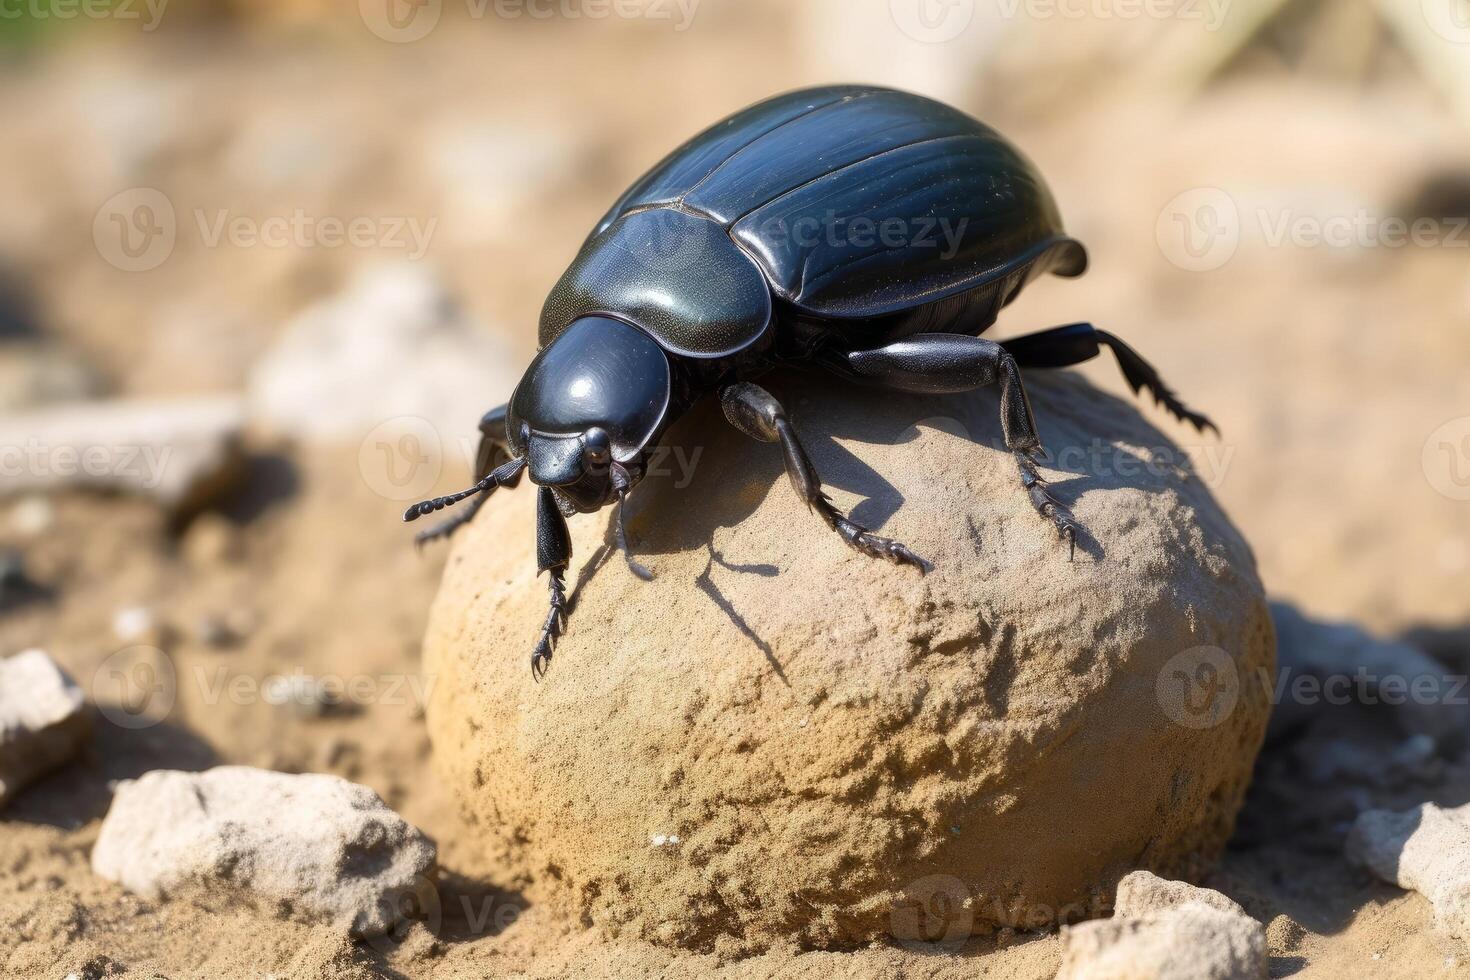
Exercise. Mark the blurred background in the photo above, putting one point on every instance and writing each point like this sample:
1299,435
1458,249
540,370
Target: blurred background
1274,194
304,244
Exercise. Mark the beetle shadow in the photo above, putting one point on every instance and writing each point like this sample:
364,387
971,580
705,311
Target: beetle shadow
706,584
704,457
81,791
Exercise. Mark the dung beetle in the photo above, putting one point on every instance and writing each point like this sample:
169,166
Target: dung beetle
864,231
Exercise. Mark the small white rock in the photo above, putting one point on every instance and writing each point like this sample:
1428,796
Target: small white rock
43,719
1166,930
1142,892
300,695
132,623
311,847
178,452
32,516
393,344
1426,849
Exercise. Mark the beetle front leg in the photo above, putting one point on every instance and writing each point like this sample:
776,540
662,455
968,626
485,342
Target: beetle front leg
952,363
553,555
756,413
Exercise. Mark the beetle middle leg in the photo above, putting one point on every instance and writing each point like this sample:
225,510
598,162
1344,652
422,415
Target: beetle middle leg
755,412
951,363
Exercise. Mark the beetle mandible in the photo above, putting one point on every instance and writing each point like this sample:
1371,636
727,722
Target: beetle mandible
865,231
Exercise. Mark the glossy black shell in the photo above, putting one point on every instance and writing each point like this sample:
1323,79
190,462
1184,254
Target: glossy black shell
867,212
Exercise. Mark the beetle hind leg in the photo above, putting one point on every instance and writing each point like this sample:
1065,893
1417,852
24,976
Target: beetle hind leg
953,363
756,413
1069,345
1047,505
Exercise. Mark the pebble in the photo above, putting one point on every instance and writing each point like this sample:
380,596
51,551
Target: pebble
310,847
1166,929
1426,849
180,452
43,720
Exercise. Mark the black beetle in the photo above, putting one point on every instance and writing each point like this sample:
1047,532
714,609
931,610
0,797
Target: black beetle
869,232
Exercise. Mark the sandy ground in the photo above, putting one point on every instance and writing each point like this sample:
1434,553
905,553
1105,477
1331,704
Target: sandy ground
1329,369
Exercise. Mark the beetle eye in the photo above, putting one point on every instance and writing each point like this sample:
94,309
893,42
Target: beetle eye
599,445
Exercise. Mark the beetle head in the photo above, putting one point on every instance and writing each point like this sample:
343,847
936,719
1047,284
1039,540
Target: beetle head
589,405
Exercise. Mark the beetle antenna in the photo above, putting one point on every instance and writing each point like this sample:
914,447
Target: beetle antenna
489,484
